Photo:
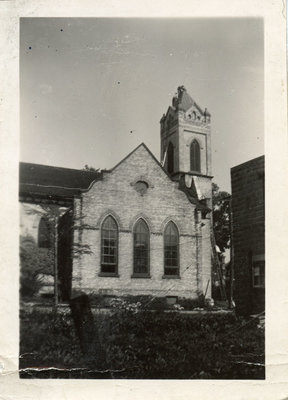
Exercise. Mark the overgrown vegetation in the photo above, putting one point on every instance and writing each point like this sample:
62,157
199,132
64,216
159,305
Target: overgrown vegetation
179,346
221,216
48,340
33,261
142,344
147,302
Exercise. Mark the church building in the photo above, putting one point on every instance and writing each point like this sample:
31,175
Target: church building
142,227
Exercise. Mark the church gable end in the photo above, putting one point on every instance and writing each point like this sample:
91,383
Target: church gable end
139,189
137,184
141,171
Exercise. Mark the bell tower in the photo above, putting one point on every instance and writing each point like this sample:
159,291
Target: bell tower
186,156
186,143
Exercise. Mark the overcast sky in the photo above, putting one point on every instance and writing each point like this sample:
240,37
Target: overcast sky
94,89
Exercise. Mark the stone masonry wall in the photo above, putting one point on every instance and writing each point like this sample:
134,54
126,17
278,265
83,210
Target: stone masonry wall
187,133
116,195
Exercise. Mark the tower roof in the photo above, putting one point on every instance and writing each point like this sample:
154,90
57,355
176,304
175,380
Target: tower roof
183,101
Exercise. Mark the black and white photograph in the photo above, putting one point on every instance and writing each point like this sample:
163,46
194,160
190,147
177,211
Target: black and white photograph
143,178
141,189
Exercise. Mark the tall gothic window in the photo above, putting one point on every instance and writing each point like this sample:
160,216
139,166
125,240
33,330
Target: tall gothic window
170,158
195,156
171,250
109,246
141,248
44,233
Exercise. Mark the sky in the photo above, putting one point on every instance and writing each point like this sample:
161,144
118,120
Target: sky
93,89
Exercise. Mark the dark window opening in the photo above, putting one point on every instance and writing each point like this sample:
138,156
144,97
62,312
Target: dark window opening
258,274
171,250
170,158
141,248
109,246
44,234
195,156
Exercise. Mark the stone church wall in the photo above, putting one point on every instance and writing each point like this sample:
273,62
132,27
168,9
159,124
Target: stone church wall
162,202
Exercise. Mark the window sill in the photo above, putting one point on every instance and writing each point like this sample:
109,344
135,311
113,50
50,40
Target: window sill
109,274
171,277
147,276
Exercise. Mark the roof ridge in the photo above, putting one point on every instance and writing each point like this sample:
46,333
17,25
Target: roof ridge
56,167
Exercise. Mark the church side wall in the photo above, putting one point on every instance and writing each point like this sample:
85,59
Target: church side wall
91,282
162,202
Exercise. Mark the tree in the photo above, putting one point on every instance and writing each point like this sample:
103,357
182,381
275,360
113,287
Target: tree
91,169
37,260
34,261
221,217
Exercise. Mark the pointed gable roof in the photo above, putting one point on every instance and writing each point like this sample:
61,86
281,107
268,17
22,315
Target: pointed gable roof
133,151
185,101
190,193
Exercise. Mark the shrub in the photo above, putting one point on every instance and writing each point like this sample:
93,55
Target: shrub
147,302
157,345
50,348
144,344
33,261
190,304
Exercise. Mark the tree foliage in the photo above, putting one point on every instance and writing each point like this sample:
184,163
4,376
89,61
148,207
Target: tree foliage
221,215
34,261
89,168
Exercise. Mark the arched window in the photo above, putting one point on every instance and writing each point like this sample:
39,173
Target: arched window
109,246
141,248
195,156
170,158
44,233
171,250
